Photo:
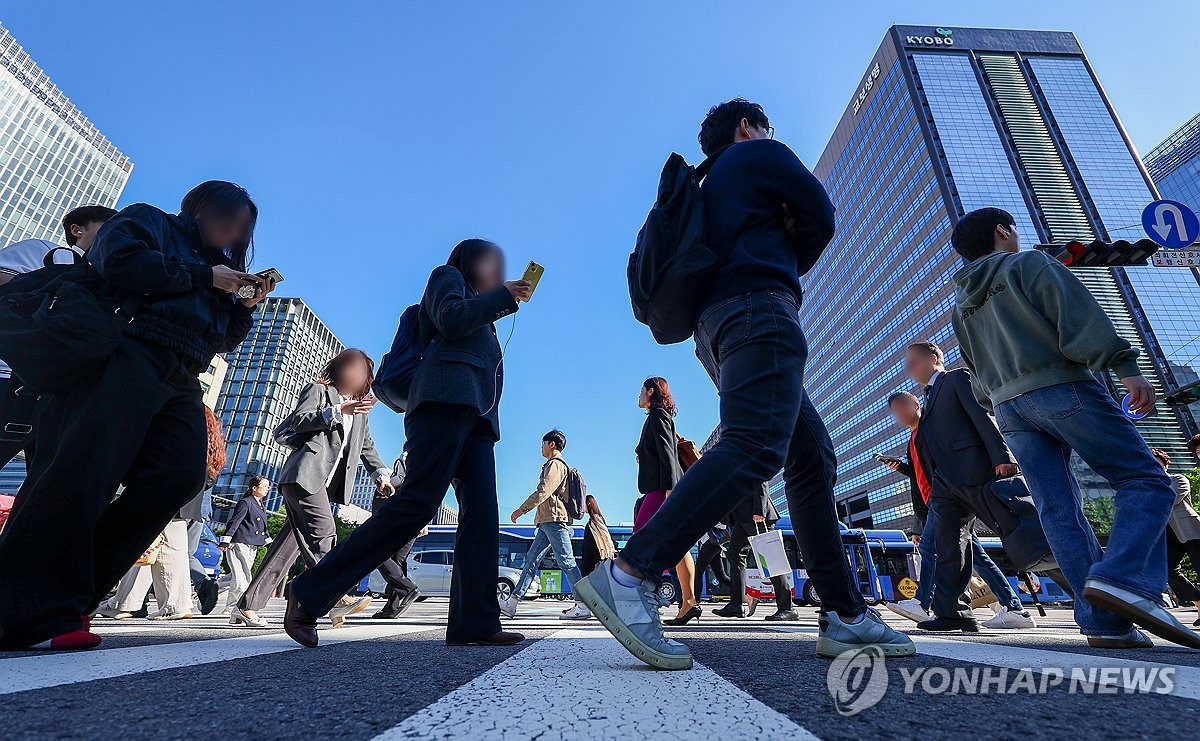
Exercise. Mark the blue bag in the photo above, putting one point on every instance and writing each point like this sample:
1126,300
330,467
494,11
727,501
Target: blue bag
399,367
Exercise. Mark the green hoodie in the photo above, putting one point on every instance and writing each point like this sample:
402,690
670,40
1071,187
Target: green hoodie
1024,322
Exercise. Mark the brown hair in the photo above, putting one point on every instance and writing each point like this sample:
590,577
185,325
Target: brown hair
1161,456
1193,444
333,369
660,394
592,507
216,447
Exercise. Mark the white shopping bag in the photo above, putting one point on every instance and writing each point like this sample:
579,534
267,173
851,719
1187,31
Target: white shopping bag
769,553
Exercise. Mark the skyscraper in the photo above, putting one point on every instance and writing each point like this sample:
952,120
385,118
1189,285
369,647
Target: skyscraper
1174,165
52,158
946,121
284,351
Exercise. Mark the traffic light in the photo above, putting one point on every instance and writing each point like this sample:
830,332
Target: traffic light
1183,395
1101,254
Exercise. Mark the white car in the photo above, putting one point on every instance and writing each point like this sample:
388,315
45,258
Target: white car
431,570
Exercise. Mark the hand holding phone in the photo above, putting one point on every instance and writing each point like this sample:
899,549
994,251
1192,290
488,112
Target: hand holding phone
533,274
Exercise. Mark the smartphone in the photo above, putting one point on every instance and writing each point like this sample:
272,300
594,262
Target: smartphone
271,273
885,458
533,273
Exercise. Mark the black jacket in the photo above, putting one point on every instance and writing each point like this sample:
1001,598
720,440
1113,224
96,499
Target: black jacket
758,503
658,454
143,251
920,508
957,440
248,524
744,196
464,364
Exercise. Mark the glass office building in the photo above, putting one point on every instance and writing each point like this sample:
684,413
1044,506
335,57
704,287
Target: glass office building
1174,165
946,121
52,159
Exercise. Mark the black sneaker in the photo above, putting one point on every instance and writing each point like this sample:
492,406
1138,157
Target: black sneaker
943,624
208,592
783,615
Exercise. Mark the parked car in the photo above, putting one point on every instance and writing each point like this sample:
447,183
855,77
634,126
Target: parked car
208,554
431,570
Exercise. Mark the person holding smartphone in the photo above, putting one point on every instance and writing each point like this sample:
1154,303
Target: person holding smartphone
139,421
329,434
451,427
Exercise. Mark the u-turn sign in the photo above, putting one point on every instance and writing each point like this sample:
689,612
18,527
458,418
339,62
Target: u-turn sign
1171,224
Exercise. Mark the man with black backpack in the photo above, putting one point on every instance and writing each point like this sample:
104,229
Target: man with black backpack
79,228
767,219
554,500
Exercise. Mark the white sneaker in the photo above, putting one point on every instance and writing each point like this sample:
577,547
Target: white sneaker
909,608
508,606
1007,619
579,612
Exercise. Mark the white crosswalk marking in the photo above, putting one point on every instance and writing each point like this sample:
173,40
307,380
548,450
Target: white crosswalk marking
38,672
583,684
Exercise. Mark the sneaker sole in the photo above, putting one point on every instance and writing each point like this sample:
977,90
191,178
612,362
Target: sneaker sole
621,632
827,648
1175,633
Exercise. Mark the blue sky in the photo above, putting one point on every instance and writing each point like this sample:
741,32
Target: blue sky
376,135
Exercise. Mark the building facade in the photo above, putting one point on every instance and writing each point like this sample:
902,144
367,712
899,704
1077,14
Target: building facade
52,159
1174,165
946,121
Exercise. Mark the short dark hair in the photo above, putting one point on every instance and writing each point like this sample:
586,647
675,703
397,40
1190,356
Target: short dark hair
1193,444
84,216
467,252
929,347
252,482
333,370
722,121
223,199
975,234
902,395
557,438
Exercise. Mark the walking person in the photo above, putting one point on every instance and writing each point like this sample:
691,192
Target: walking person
451,427
1032,336
138,421
197,512
329,434
243,536
752,516
553,525
712,549
1183,535
772,219
597,541
659,469
401,591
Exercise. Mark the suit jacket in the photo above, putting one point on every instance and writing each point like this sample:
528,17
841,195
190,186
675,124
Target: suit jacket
957,440
248,524
920,507
464,363
758,503
310,465
1184,521
658,454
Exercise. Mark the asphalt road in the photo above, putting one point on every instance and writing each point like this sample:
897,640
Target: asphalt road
202,679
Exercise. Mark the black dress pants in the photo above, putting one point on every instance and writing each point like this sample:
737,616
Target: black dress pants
952,574
394,569
710,557
309,532
1183,588
68,541
447,442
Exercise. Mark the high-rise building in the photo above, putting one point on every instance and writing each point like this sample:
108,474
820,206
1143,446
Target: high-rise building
285,351
1174,165
52,158
946,121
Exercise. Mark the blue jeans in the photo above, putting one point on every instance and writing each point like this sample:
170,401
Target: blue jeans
754,350
550,536
1042,427
927,549
983,564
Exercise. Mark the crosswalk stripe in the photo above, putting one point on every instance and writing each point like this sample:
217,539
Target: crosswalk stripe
580,683
38,672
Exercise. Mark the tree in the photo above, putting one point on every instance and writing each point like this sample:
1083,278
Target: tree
1100,512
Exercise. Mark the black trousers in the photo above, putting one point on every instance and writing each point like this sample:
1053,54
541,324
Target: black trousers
739,549
952,539
16,414
394,569
710,557
446,442
68,541
1183,588
309,533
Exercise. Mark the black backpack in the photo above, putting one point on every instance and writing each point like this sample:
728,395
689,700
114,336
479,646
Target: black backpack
399,367
576,501
672,265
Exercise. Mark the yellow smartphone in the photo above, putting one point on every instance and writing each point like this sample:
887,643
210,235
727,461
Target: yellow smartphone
533,273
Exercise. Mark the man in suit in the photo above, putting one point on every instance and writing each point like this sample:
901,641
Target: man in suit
753,515
961,451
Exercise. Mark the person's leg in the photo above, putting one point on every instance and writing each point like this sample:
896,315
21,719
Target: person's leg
172,582
927,549
994,577
709,550
685,572
437,435
312,520
558,534
953,571
281,554
783,593
195,529
474,611
1184,589
538,549
240,558
738,550
132,589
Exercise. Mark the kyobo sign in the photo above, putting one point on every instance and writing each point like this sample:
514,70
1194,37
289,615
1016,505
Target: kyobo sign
940,37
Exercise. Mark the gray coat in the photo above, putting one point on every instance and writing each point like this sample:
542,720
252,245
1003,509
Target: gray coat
1184,522
309,466
463,364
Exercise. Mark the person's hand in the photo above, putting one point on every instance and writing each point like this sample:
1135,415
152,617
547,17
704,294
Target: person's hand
759,518
385,488
894,465
521,290
265,287
223,547
1004,470
916,539
229,280
357,406
1141,394
515,517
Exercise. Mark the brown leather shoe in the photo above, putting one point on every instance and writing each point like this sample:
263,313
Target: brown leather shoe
501,638
298,624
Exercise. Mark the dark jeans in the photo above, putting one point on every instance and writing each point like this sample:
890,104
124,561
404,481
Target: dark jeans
954,552
68,541
394,568
309,532
739,549
1184,589
446,442
710,557
754,350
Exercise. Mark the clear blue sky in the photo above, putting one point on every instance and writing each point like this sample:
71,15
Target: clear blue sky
375,135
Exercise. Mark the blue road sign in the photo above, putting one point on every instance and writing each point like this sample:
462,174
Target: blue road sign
1171,224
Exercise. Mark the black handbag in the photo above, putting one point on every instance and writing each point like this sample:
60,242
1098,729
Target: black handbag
1007,508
